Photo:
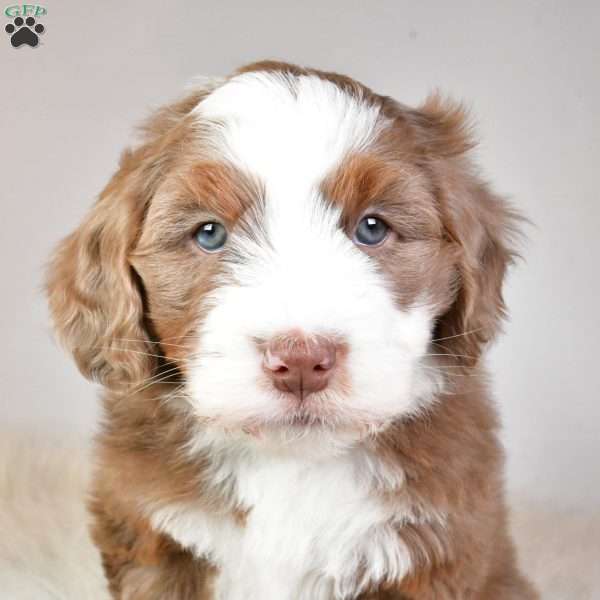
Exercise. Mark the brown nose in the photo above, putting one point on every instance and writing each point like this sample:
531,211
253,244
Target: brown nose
299,364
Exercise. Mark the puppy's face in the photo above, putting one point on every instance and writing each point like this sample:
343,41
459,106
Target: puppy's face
296,244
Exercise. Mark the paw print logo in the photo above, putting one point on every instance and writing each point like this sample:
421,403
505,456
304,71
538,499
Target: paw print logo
24,32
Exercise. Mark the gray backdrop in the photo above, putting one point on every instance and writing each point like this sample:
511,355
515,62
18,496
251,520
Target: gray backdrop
528,69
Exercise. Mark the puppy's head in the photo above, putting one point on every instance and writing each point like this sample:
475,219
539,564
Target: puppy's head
296,249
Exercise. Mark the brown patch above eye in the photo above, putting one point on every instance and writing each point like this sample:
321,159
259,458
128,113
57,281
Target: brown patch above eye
357,183
368,183
220,189
204,191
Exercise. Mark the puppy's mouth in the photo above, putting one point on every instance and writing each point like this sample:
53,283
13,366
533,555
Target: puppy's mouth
317,412
308,416
317,409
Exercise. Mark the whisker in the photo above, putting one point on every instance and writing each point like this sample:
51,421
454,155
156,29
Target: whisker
449,337
451,354
443,346
191,336
160,342
139,352
450,373
163,381
164,398
160,377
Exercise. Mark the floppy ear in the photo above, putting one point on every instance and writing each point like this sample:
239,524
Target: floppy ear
95,296
95,300
481,224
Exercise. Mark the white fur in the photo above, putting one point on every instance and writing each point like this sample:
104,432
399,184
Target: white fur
314,529
306,273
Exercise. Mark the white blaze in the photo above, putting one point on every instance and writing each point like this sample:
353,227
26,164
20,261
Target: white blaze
310,275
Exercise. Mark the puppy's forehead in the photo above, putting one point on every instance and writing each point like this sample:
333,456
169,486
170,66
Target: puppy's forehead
288,130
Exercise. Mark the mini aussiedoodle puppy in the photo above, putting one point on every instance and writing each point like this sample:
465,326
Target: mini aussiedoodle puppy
286,290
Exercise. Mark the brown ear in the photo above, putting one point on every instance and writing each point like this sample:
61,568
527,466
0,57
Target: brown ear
95,296
481,225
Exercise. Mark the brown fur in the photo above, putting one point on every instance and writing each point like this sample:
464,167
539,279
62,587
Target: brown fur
452,462
124,292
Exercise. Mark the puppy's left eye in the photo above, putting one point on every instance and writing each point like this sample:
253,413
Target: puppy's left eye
211,236
371,231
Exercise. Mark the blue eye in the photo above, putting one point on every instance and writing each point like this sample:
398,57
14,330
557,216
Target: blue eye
211,236
371,231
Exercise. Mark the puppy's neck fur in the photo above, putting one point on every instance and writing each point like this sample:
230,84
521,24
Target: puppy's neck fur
300,524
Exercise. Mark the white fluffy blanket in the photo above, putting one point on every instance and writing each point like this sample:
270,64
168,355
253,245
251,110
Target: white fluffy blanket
46,553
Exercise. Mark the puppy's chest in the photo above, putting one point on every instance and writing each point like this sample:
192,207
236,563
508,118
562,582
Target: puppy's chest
312,531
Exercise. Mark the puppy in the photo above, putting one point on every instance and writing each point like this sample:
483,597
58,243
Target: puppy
285,292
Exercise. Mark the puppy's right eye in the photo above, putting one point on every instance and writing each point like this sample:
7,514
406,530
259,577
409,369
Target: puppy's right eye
211,236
